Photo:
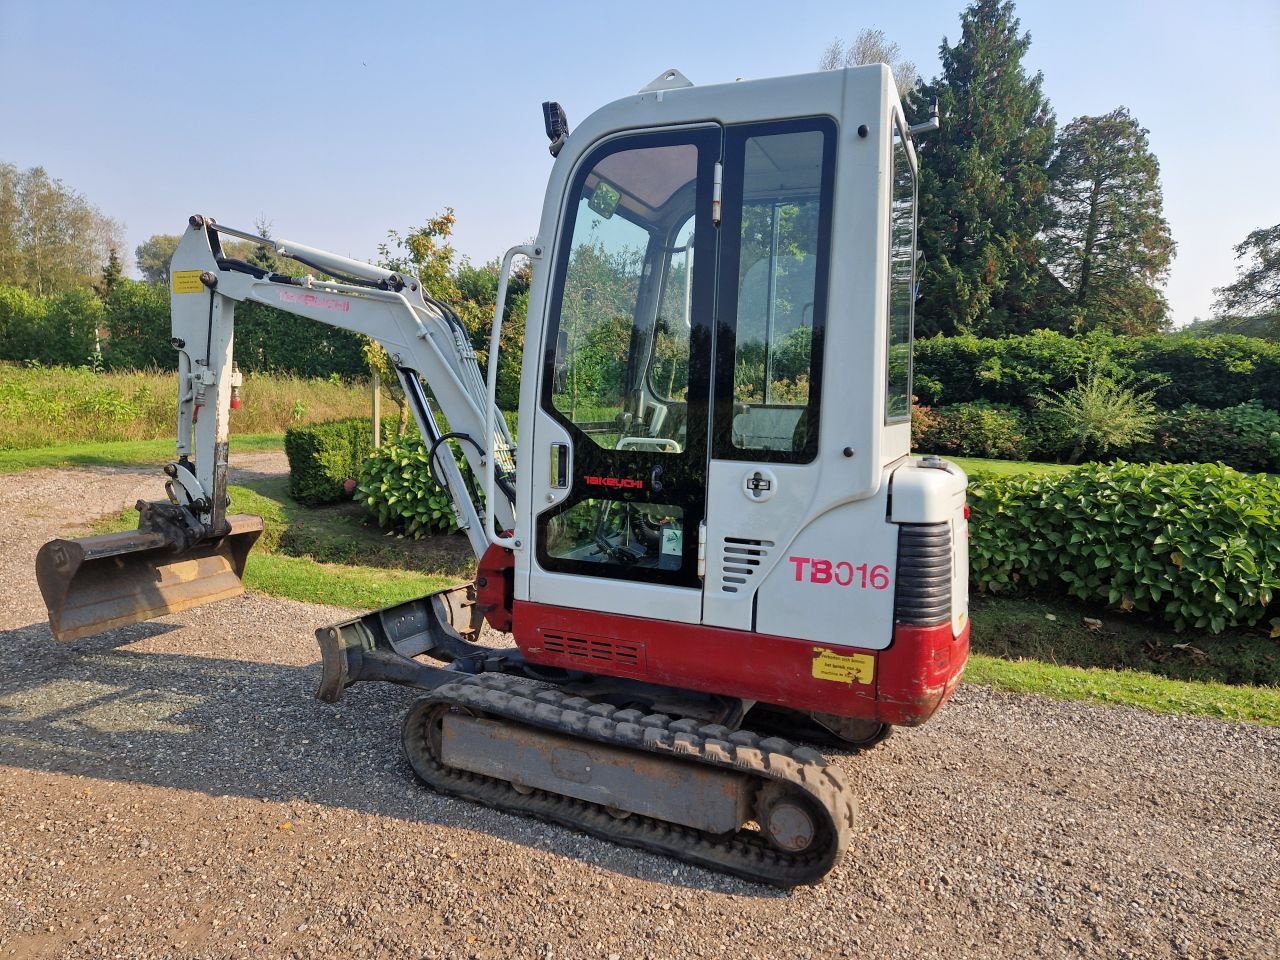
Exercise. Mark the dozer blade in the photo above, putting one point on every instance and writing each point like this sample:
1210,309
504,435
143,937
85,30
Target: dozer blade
98,583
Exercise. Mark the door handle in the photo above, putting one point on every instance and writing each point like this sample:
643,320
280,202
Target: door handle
655,479
559,466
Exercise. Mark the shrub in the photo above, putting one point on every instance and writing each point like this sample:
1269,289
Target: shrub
137,316
1246,437
1215,371
976,429
1100,414
924,421
323,456
396,487
1198,546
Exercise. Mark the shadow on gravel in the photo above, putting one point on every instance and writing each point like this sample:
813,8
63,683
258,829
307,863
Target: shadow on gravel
240,728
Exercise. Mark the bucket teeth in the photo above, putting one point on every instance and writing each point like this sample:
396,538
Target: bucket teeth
92,584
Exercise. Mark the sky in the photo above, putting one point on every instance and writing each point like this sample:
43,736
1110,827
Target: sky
336,122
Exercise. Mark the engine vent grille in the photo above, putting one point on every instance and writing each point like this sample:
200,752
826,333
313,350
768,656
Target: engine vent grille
594,649
741,561
923,595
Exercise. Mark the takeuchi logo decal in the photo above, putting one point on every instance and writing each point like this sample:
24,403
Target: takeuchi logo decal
316,300
614,483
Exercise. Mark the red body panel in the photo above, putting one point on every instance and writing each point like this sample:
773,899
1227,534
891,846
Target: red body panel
495,586
910,679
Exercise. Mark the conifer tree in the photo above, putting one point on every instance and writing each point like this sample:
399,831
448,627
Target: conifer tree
1109,243
984,185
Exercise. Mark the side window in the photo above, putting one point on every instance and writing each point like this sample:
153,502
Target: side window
782,211
902,264
669,365
623,310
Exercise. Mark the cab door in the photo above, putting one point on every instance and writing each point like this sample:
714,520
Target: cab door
625,384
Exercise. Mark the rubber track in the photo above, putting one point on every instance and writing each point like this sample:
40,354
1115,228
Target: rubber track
745,854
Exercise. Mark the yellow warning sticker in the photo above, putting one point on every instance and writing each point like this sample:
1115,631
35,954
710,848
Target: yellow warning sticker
187,281
857,668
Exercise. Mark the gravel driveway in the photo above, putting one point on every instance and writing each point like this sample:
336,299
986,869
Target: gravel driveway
172,789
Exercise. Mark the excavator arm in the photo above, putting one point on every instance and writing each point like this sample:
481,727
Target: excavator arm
187,550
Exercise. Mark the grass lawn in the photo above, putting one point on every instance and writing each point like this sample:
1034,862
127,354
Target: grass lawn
1128,688
1005,468
118,453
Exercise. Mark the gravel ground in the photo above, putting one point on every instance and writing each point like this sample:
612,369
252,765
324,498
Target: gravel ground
172,789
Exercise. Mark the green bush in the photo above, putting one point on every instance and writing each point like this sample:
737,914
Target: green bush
137,317
1098,415
1246,437
396,487
976,429
323,456
1215,371
1209,371
1198,546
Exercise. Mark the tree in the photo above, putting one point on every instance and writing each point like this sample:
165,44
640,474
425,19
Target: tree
1109,243
1253,299
154,255
871,46
984,184
51,238
470,291
112,271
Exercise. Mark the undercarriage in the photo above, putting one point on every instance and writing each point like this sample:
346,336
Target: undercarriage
596,753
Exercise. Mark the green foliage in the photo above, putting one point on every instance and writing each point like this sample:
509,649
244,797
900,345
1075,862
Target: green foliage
58,329
469,291
1209,371
323,456
1100,414
1255,293
112,271
273,341
1108,241
51,238
1198,546
984,185
153,256
137,318
396,487
976,429
1246,437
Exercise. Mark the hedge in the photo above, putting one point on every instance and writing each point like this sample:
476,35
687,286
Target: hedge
1198,546
1209,371
1246,436
323,456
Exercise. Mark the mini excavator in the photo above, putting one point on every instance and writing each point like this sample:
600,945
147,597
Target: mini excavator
712,540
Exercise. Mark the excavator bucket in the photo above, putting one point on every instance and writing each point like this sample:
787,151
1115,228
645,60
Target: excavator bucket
98,583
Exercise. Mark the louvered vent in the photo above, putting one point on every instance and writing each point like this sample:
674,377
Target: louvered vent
923,596
742,560
593,649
